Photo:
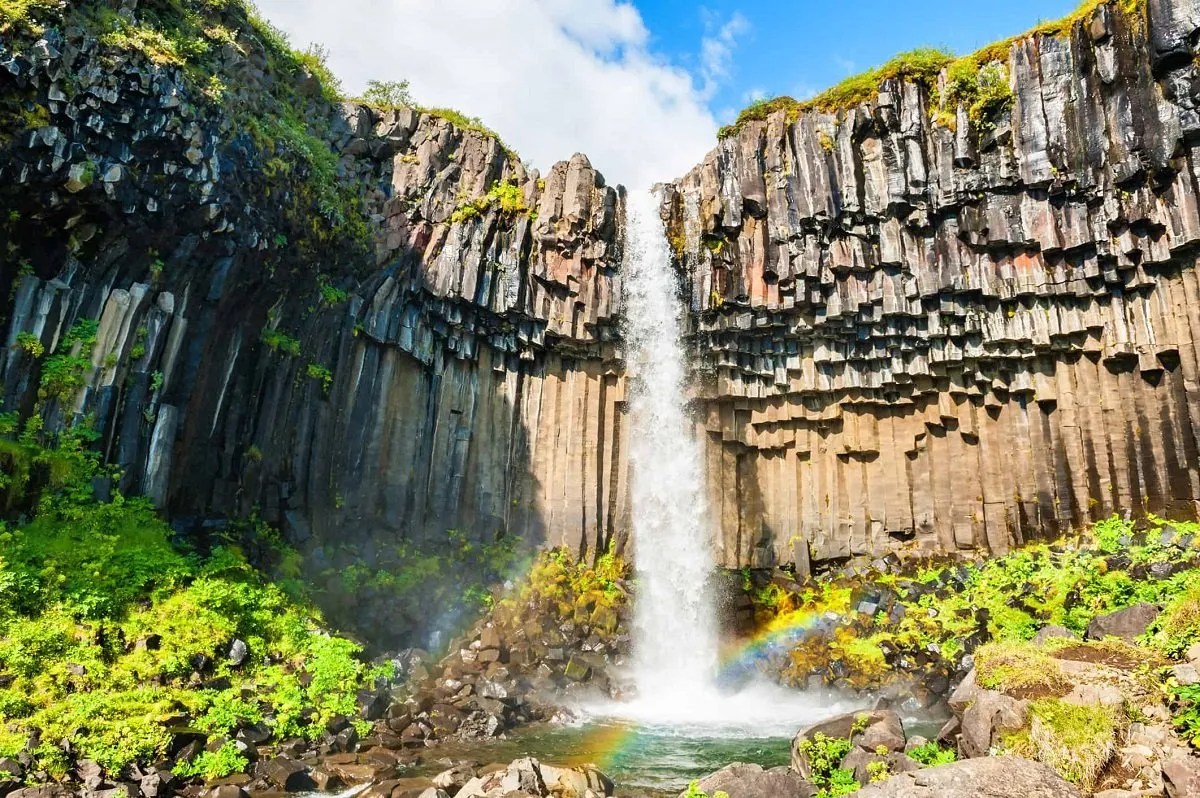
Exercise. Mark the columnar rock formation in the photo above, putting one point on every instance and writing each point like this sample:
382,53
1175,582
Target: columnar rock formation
966,337
375,327
466,378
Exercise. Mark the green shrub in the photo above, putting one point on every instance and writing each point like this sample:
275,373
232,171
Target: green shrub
281,342
387,95
824,755
104,620
64,373
30,344
210,765
932,754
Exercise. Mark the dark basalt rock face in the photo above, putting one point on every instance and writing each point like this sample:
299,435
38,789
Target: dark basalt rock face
955,339
907,334
380,371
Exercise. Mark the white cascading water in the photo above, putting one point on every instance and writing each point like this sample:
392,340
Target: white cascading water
675,630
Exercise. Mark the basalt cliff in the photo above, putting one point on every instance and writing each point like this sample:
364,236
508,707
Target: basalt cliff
911,332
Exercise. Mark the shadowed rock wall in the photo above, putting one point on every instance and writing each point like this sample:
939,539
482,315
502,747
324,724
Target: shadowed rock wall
907,334
958,339
465,376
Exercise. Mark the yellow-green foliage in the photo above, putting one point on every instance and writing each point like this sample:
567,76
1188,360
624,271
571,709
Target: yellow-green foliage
507,197
980,85
1178,627
1077,741
27,16
1005,599
1019,668
983,90
103,621
472,123
565,585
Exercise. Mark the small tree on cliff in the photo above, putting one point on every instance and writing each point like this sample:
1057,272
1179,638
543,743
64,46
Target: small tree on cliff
388,94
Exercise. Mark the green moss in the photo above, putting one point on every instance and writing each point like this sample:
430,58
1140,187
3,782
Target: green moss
1077,741
27,16
978,80
281,342
759,110
1177,628
322,374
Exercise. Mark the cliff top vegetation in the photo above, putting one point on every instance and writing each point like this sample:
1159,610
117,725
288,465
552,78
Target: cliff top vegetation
978,80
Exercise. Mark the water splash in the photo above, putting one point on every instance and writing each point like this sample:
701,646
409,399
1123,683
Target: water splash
676,642
675,630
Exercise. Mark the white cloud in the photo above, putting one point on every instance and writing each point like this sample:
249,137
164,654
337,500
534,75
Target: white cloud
716,49
845,64
553,77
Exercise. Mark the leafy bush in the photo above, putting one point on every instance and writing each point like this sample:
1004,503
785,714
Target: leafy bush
824,755
63,374
210,765
932,754
387,95
105,622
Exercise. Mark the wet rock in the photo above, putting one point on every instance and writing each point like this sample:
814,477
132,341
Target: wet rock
239,652
226,791
453,779
989,777
529,777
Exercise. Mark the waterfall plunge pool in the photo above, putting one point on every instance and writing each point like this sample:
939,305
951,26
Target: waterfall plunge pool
655,761
653,747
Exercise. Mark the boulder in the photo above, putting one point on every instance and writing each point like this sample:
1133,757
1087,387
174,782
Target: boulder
990,714
454,778
885,732
843,726
1127,624
1181,776
530,777
740,780
226,791
989,777
1053,632
287,774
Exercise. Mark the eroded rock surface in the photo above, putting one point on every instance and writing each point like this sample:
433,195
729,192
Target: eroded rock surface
991,777
966,338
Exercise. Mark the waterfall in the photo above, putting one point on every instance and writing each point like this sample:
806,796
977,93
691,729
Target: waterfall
675,630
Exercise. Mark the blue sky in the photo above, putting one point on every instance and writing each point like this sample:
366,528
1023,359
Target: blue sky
640,86
799,48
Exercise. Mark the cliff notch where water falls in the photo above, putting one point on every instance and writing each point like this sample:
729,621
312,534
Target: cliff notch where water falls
916,329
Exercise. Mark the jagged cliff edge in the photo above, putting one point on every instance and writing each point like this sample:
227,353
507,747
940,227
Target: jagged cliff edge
960,338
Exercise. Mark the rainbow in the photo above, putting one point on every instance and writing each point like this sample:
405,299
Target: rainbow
741,659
